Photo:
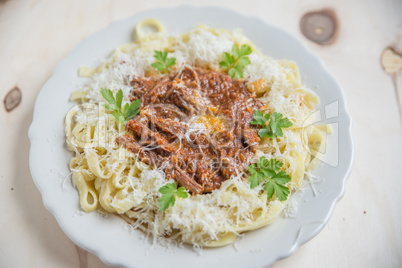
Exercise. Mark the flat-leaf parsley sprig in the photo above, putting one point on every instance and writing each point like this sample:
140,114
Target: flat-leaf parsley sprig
130,110
267,172
234,63
271,124
162,61
168,195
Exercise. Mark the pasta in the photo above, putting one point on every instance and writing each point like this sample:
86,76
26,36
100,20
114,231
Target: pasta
113,179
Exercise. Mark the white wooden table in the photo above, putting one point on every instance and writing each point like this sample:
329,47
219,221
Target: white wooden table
366,227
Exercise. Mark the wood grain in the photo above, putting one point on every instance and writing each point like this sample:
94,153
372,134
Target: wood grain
364,230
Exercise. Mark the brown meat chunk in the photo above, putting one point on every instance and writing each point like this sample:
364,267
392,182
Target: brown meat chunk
198,159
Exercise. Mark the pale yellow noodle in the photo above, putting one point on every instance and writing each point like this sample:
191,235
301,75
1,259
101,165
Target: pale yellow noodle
113,179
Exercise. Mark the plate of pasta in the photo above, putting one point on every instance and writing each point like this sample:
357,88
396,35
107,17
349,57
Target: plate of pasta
218,140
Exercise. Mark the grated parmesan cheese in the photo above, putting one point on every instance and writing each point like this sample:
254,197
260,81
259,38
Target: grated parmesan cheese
126,186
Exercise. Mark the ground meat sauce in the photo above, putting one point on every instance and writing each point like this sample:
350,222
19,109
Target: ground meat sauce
193,124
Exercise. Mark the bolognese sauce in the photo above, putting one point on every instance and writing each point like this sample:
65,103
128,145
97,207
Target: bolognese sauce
194,124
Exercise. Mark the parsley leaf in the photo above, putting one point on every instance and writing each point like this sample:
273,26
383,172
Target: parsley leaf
162,61
278,122
235,63
119,98
260,118
271,124
130,110
256,177
181,192
168,195
108,96
245,50
267,172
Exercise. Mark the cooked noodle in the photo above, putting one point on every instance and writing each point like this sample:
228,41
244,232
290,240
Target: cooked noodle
112,178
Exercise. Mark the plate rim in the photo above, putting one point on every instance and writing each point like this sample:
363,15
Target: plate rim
33,140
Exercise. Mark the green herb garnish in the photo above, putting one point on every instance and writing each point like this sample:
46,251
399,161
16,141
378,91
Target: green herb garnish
273,128
162,61
168,195
235,63
267,172
130,110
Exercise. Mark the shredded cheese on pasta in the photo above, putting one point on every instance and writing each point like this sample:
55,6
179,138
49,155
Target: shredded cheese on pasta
111,178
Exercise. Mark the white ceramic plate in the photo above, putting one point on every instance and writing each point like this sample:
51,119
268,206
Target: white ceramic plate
107,237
